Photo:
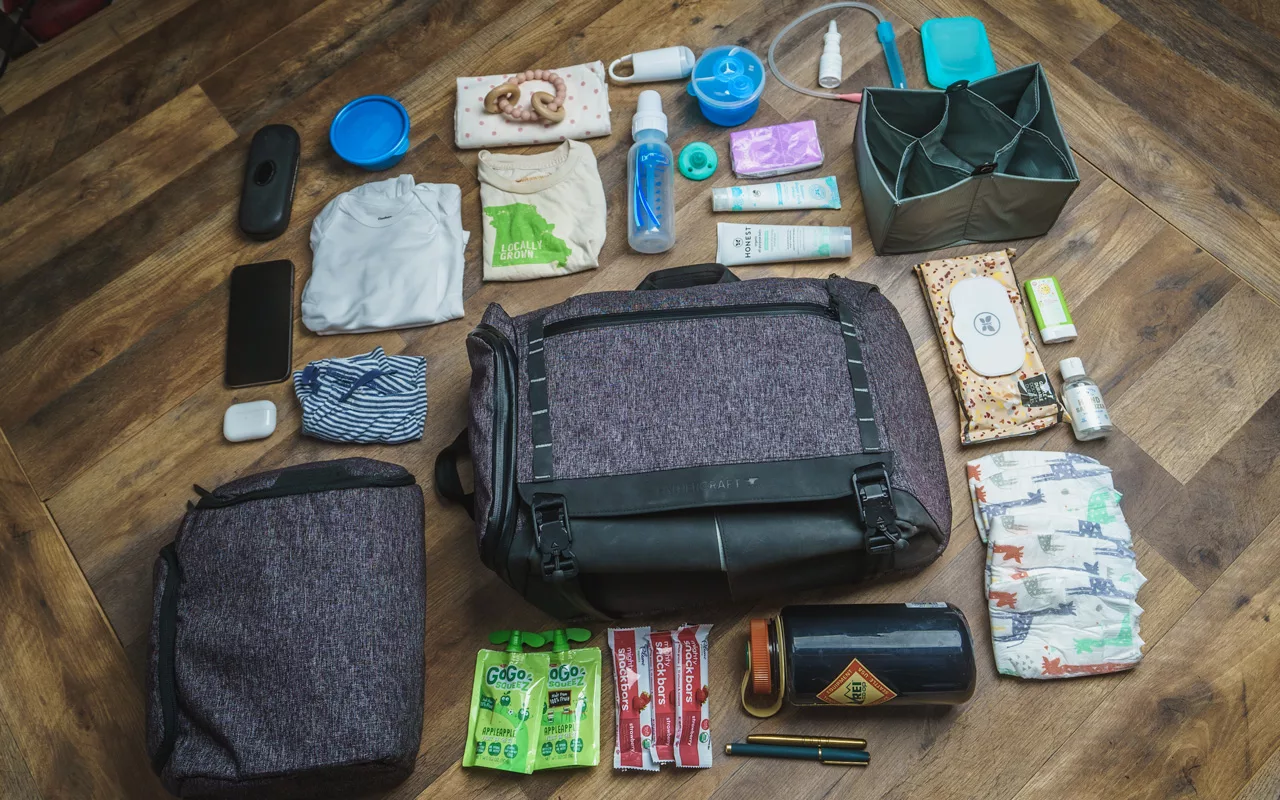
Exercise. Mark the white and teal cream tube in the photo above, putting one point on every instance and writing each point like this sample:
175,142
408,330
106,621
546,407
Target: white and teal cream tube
744,245
814,193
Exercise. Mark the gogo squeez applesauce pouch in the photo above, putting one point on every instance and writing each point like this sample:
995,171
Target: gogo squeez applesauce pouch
509,691
631,698
570,721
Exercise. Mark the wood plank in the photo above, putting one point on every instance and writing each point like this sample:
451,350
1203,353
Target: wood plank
63,681
321,42
110,180
78,49
1208,524
1231,128
16,782
1065,27
1141,310
1263,13
79,114
1201,712
1213,38
1205,387
49,288
1265,783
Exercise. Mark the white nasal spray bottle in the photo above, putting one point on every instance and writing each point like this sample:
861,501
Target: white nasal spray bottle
830,68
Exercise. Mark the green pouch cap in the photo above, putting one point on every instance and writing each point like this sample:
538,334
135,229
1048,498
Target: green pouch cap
570,720
510,688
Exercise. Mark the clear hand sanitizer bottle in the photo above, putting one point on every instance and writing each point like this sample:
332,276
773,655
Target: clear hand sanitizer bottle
651,221
1089,417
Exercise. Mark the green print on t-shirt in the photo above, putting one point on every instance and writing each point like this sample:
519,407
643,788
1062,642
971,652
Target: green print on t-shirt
522,236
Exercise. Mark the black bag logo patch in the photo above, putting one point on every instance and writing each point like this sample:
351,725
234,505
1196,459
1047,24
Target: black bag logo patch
1037,391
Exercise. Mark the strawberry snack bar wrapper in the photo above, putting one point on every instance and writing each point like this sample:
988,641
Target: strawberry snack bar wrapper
693,714
665,671
632,695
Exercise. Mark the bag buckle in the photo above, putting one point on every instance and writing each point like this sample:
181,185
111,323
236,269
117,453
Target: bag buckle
552,536
984,169
879,517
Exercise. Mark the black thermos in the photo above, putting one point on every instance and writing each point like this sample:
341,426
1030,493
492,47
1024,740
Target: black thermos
859,655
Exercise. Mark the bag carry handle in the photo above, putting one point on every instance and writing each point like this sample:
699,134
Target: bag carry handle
685,277
448,481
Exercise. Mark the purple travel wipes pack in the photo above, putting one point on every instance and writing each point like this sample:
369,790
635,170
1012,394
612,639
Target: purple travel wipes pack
776,149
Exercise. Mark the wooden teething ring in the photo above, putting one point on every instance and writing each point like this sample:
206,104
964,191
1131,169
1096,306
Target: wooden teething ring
545,106
510,92
542,106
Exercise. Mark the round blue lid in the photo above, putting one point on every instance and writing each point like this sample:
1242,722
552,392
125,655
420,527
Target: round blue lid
728,76
369,128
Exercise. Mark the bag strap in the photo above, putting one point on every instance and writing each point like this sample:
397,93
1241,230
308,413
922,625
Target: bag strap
863,410
448,481
685,277
166,644
872,489
539,402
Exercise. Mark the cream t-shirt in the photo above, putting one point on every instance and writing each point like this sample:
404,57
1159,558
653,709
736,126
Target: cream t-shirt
543,215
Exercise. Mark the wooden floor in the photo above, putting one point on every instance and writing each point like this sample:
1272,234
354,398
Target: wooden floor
121,149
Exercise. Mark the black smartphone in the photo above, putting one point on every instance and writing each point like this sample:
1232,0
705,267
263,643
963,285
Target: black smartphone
260,324
270,176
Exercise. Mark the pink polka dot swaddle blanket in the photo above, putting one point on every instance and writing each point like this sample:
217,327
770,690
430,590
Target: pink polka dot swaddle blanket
586,109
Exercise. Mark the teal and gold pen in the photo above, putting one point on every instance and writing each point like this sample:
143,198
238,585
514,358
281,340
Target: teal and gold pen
826,755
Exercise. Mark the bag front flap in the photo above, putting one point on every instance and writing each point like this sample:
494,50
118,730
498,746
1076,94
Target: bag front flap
795,481
755,372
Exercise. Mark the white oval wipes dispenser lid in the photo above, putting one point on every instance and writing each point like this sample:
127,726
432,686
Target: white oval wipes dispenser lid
244,422
984,321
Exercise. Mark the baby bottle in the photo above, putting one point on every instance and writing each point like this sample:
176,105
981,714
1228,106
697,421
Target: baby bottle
651,223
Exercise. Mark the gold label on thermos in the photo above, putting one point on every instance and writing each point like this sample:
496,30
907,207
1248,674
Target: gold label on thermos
856,686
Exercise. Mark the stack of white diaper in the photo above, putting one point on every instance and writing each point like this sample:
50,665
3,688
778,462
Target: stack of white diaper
1062,579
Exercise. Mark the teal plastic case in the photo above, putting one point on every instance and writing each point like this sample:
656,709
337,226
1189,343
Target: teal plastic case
956,49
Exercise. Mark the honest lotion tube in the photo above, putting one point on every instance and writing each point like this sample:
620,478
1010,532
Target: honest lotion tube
744,245
813,193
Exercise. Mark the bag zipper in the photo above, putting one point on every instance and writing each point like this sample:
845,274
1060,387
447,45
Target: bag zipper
210,500
499,527
702,312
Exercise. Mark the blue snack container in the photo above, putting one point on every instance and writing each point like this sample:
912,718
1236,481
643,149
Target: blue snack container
371,132
728,82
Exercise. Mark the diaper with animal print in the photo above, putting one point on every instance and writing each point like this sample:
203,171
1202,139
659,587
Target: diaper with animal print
1062,577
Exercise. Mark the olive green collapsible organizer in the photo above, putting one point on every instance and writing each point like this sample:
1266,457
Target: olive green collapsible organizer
981,162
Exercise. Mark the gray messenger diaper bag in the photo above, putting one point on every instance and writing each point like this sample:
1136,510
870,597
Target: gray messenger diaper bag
286,650
981,162
699,440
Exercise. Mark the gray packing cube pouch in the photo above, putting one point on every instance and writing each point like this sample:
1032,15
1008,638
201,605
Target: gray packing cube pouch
286,650
981,162
699,440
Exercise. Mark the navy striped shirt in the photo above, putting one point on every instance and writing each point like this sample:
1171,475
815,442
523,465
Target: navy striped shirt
372,397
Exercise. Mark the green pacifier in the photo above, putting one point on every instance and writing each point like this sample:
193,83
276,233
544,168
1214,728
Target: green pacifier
698,161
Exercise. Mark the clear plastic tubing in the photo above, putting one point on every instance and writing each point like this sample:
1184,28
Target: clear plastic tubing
884,32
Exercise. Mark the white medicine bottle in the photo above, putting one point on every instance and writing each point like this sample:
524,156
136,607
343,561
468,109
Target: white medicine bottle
1083,398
